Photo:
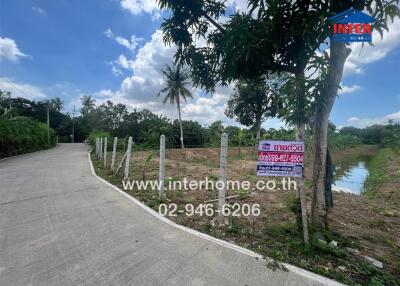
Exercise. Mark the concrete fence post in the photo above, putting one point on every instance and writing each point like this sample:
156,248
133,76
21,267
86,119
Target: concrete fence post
101,149
223,167
128,158
97,146
114,153
105,152
162,166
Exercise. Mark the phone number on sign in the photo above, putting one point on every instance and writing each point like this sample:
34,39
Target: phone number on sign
280,157
235,209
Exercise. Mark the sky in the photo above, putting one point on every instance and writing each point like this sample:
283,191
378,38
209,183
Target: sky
113,50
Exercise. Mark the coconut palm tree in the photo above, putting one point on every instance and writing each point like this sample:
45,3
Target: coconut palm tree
88,104
57,104
176,88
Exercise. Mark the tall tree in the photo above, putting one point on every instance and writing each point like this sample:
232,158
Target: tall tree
382,11
176,89
88,104
57,104
253,102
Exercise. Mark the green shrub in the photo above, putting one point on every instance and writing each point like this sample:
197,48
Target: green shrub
22,135
99,134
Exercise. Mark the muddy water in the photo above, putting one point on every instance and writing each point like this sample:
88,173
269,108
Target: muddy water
350,177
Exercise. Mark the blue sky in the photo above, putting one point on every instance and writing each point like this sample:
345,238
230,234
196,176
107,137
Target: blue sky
113,49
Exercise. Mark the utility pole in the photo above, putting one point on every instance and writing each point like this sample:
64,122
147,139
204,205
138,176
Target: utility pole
48,123
73,125
9,102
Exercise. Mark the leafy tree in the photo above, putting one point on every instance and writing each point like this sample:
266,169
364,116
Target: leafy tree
350,130
214,132
253,102
88,104
57,104
110,116
176,88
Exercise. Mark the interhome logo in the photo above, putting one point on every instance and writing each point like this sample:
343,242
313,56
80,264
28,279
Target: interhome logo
352,26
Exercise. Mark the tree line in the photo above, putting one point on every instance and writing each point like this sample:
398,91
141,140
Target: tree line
145,127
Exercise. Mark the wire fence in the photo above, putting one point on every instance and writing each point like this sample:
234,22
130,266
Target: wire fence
194,162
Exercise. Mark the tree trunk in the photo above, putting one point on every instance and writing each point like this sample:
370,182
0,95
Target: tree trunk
302,206
338,56
302,222
258,133
180,122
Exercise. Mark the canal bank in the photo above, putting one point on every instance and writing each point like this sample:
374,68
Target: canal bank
371,220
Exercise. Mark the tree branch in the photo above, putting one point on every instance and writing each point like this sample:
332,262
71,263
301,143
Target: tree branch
218,26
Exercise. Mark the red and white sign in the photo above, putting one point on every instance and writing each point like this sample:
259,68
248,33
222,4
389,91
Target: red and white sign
280,158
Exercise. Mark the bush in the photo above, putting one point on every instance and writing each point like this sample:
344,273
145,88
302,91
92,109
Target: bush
98,134
22,135
342,141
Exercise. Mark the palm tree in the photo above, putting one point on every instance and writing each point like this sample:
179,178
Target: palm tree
57,103
177,80
88,104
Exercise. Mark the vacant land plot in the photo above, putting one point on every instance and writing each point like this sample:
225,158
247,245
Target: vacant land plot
362,225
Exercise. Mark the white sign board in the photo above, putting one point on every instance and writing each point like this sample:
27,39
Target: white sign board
280,158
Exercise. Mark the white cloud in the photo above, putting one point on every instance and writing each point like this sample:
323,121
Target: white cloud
238,5
121,63
140,89
362,55
349,89
109,33
137,7
147,80
39,10
130,44
9,50
364,122
104,93
115,70
21,89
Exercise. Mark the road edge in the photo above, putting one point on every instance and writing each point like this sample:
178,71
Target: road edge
302,272
28,153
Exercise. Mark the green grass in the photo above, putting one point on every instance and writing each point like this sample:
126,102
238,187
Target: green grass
377,171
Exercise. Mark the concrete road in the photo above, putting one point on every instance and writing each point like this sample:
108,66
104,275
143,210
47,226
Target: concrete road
60,225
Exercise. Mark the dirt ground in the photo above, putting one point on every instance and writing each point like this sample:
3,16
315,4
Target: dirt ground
368,225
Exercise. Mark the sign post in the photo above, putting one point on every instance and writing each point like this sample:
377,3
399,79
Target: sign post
223,167
285,159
